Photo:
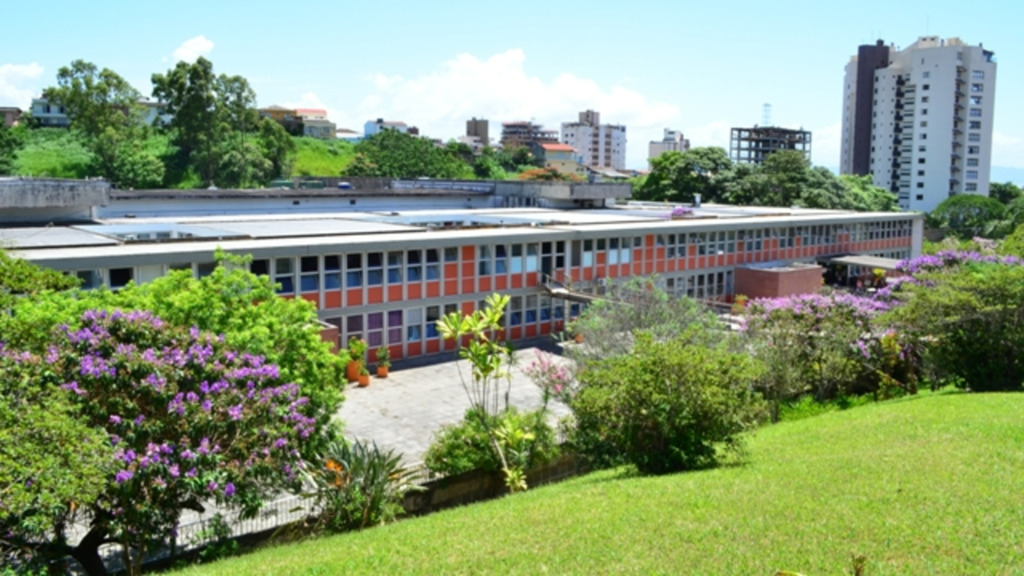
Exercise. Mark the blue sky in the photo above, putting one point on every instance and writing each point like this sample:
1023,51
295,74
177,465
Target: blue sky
699,67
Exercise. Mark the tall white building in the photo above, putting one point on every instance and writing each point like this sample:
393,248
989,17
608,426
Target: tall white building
673,141
919,120
596,144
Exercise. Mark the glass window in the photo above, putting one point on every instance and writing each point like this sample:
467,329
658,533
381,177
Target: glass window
531,309
516,262
483,260
283,269
433,315
309,281
332,272
354,326
451,254
531,258
515,316
433,268
500,259
354,271
395,267
375,268
395,327
89,279
260,267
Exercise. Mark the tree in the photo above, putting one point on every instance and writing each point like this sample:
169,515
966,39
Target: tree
11,140
1004,193
20,278
678,176
668,406
394,154
105,108
967,215
278,147
231,301
968,313
867,197
190,421
548,175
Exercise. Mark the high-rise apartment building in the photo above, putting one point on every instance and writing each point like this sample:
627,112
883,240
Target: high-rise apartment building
673,141
479,128
596,144
753,145
919,120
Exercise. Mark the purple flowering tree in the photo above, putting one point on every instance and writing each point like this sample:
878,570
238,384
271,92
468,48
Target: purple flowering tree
819,344
191,422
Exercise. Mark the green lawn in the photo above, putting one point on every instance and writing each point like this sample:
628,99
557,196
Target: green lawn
321,158
926,485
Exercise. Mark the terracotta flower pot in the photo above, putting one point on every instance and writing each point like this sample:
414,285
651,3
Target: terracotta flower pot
352,370
382,371
578,338
364,380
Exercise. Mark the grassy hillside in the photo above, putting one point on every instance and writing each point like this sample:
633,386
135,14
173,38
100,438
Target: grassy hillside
926,485
315,157
53,152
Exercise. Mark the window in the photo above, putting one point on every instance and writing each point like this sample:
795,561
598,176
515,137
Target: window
413,325
920,160
924,135
924,123
501,259
977,74
516,261
332,272
972,161
924,111
531,258
531,309
975,112
974,125
926,74
89,278
414,266
515,316
919,197
974,149
395,267
354,326
972,174
283,269
976,100
973,137
924,99
925,86
353,270
920,184
374,268
483,265
433,266
588,253
260,267
395,327
970,187
309,281
451,254
922,148
977,87
920,172
433,315
375,329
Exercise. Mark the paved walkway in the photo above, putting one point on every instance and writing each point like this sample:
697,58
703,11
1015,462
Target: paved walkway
404,410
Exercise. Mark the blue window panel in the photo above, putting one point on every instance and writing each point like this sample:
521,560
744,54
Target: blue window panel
309,283
374,278
353,279
332,281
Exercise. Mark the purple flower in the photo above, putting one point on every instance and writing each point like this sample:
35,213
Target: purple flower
235,412
211,486
229,489
174,471
123,476
115,419
191,473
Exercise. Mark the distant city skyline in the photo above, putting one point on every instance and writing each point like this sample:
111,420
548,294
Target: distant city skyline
700,69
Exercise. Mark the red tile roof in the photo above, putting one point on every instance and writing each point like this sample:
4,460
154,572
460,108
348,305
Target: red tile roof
558,147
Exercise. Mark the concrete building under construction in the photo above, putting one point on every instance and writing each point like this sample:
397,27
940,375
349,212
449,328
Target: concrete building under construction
753,145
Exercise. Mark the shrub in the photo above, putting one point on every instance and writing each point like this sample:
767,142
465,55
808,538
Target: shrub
358,485
527,438
667,406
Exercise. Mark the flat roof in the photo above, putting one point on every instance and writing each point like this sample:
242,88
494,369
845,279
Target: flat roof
867,261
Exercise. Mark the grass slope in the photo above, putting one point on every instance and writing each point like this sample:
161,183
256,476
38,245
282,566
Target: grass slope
927,485
54,153
315,157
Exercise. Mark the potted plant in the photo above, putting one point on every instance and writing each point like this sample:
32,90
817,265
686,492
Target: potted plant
383,361
364,377
356,353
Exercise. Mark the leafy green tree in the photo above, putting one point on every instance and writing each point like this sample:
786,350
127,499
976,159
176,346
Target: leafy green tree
11,140
967,215
1004,193
678,176
105,108
188,94
970,318
866,197
20,278
394,154
51,458
668,406
278,147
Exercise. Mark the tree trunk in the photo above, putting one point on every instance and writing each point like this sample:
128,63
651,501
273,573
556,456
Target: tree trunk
87,553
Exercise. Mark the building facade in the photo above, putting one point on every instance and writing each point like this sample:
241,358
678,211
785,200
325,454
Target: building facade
753,145
673,141
479,129
374,126
919,120
516,134
561,157
596,144
10,115
388,274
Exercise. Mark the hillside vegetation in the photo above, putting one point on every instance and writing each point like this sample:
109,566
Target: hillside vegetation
923,485
315,157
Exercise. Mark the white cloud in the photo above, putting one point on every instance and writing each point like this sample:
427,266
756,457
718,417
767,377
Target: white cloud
498,88
715,133
19,84
1007,150
191,49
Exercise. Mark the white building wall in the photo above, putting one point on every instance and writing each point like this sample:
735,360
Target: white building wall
849,117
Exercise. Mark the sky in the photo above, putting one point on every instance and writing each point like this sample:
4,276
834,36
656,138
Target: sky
699,67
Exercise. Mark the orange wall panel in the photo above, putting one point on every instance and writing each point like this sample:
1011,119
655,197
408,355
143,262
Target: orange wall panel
375,295
433,290
415,291
395,293
354,297
332,299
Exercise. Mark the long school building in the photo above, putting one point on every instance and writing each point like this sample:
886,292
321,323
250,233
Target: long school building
388,275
